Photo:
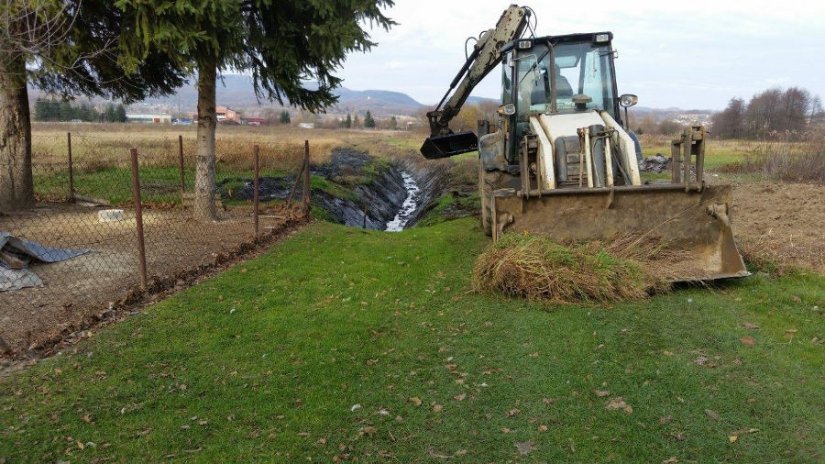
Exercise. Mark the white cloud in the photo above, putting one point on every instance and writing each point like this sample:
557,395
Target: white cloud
688,54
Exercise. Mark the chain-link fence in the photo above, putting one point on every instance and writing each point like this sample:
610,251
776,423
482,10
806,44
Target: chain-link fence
109,228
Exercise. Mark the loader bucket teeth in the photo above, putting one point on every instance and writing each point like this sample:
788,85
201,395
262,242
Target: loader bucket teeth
444,146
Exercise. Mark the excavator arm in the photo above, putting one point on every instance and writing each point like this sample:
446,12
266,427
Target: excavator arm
486,55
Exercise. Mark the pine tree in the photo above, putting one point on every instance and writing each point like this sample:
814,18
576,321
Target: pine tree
214,35
284,118
369,121
71,47
393,123
120,113
41,109
348,121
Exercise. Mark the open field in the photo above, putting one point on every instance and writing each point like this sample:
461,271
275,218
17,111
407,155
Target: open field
346,345
371,348
101,155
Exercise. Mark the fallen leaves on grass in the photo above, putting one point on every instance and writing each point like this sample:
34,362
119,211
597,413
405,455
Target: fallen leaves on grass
618,403
415,400
524,448
460,397
601,393
712,414
750,326
747,340
438,408
671,460
704,361
734,436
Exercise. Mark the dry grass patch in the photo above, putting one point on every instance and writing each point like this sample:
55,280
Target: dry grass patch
537,268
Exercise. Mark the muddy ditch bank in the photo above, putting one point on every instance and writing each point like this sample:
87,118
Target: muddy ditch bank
358,190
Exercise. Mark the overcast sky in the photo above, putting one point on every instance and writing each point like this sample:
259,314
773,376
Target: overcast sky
688,54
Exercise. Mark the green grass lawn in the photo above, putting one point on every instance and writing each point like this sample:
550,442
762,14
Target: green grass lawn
114,184
347,344
717,153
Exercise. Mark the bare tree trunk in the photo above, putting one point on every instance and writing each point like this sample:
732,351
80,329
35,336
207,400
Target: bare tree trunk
204,201
16,184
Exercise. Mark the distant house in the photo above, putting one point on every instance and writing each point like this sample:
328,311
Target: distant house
149,118
227,115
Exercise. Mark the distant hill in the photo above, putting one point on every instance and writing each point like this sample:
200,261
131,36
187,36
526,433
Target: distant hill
236,92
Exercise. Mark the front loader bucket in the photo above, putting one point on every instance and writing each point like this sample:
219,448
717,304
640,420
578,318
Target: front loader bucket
443,146
691,229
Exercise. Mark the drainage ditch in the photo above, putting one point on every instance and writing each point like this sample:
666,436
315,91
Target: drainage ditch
359,190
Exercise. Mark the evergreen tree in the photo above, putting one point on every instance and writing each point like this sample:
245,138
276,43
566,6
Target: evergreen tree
120,113
284,118
356,122
348,121
393,123
109,114
369,121
65,111
71,47
214,35
41,110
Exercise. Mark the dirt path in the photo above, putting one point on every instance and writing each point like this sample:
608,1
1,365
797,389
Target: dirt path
78,288
781,223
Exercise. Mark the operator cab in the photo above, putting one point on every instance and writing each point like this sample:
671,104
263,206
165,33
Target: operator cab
561,74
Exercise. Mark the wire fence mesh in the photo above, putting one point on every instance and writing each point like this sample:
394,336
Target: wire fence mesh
76,253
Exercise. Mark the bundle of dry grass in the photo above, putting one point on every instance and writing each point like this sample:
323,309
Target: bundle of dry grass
537,268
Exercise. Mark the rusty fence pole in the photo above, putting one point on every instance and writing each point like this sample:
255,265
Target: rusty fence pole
138,217
255,185
180,160
71,167
306,178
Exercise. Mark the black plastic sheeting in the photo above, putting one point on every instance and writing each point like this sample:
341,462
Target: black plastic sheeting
12,277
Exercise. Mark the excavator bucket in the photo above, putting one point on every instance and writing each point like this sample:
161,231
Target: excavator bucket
444,146
684,234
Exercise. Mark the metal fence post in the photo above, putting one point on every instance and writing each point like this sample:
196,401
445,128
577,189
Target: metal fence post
306,178
180,160
256,185
71,167
138,217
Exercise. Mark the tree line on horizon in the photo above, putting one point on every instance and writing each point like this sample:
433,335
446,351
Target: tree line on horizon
54,110
768,114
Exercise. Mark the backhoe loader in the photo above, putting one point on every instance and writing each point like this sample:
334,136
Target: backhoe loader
560,159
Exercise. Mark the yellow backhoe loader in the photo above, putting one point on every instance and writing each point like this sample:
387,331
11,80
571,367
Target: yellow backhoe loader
560,160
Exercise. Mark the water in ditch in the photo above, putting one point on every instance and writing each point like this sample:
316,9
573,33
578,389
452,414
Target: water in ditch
408,207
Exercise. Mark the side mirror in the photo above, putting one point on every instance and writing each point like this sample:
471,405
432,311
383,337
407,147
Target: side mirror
627,100
509,109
